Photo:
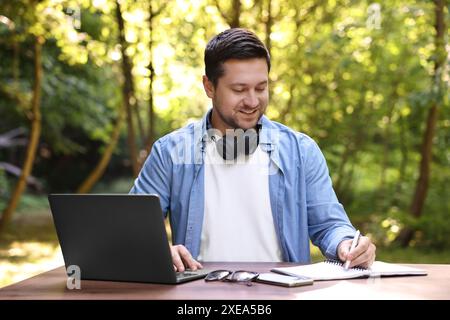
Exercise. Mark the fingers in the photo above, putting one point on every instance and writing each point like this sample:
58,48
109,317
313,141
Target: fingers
176,259
182,258
366,258
343,249
362,246
188,259
362,255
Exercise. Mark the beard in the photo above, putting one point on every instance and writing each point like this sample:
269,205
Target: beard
232,121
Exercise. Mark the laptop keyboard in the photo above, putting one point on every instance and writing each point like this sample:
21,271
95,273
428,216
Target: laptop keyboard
189,273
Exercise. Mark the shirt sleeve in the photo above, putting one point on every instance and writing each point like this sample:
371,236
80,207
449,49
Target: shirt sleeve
155,177
328,223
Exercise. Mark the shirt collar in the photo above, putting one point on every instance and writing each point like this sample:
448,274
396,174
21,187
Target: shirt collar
269,137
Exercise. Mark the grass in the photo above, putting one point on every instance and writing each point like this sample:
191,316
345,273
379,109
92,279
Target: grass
29,245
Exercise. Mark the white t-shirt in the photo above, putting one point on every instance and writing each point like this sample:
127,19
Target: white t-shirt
238,223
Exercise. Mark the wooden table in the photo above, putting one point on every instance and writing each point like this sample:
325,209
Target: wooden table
52,285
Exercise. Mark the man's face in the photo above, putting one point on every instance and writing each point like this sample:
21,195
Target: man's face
241,95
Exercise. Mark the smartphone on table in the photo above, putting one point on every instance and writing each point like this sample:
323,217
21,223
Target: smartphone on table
284,280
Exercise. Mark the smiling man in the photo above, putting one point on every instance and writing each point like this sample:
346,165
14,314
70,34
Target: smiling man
240,187
240,98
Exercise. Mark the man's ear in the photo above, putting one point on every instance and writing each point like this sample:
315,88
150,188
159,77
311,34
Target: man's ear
209,87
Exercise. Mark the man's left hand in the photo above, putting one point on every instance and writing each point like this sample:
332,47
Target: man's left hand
362,255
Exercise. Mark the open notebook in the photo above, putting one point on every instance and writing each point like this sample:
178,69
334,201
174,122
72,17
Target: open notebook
334,270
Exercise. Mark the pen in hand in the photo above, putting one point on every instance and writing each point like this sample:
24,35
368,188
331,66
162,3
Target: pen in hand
354,244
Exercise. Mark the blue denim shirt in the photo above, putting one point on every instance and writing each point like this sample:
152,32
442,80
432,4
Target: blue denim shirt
303,202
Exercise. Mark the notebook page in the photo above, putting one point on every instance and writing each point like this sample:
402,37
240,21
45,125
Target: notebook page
324,271
390,269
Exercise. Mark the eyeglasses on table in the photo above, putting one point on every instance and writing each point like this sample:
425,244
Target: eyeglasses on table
232,276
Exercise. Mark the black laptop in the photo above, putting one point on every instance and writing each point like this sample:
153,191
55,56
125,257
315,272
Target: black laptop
116,237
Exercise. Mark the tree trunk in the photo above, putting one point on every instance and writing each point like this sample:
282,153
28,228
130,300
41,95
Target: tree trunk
421,189
35,134
101,166
150,137
151,116
128,93
268,25
141,131
233,16
151,111
236,14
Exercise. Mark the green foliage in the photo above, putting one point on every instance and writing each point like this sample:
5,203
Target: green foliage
362,88
77,98
413,255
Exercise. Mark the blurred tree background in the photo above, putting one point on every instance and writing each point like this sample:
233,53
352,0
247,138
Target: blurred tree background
86,86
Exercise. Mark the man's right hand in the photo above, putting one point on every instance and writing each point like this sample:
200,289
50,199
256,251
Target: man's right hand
182,259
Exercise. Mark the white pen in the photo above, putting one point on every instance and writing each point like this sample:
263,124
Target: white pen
354,243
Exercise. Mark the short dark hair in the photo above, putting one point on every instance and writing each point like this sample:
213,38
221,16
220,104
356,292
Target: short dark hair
234,43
